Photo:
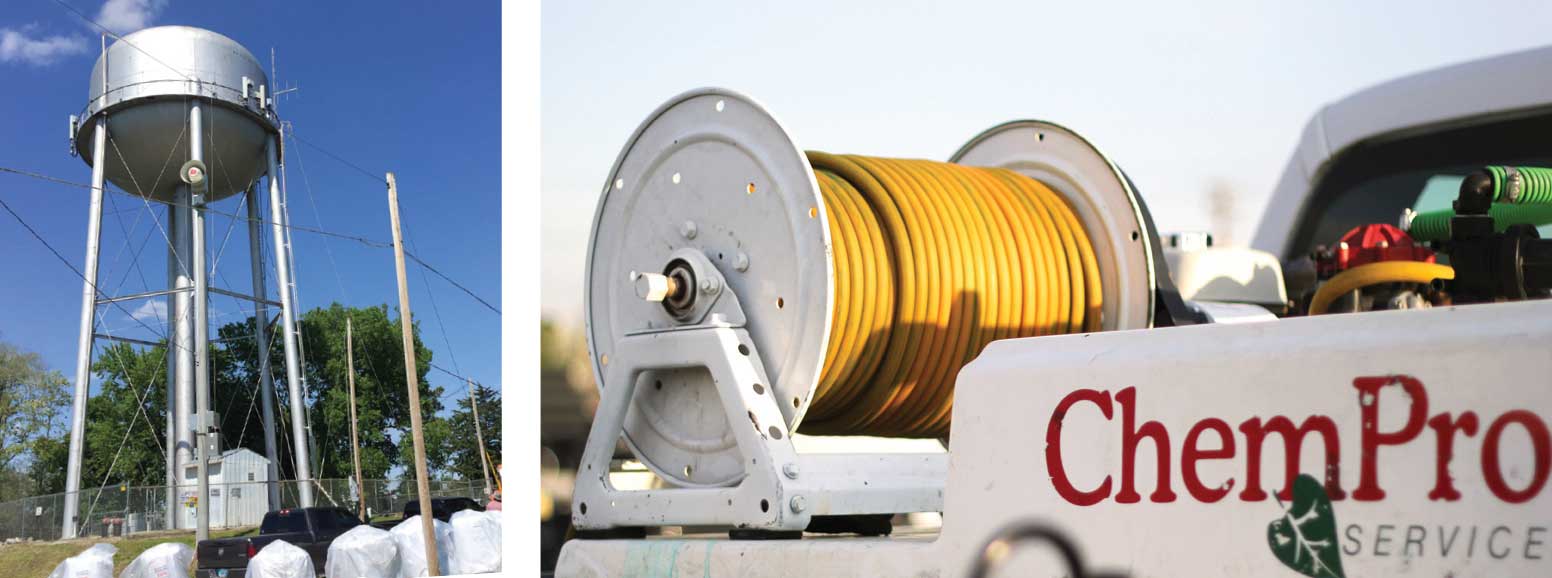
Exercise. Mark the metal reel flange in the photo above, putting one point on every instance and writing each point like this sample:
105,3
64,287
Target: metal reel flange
1100,194
711,170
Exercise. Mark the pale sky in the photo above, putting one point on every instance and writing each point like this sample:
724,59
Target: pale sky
1181,97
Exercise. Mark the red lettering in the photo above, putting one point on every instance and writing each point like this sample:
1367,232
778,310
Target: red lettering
1190,453
1444,431
1193,450
1369,405
1130,435
1293,448
1541,444
1053,448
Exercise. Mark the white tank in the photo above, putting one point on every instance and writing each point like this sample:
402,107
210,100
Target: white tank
151,76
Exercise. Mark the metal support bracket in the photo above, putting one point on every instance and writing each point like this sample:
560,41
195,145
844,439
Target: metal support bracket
236,295
75,125
145,295
126,340
780,489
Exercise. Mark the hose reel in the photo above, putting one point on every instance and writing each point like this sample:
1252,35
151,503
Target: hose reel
863,286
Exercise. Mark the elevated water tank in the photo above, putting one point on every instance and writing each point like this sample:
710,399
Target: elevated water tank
152,75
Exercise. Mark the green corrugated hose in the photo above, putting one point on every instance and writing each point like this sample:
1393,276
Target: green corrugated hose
1521,196
1535,185
1435,225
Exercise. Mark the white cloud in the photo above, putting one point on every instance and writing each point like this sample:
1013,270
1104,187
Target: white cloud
19,45
125,16
151,311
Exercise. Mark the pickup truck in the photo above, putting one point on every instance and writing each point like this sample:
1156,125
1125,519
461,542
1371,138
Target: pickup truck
443,508
311,529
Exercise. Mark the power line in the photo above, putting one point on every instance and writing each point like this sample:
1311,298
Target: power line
40,239
450,280
119,38
328,249
356,238
95,288
368,242
369,174
134,259
463,378
359,239
44,177
411,256
78,273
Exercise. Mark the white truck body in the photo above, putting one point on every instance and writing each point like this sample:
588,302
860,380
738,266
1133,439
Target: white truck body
1161,452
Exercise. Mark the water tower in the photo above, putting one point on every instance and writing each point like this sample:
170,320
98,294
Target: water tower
185,117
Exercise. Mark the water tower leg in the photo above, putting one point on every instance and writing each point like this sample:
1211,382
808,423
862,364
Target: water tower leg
296,302
277,210
201,337
182,320
172,375
83,360
261,334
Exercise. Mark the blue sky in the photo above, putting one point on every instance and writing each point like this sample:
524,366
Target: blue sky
410,87
1182,95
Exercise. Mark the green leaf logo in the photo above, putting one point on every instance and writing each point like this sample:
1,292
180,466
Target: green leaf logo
1304,538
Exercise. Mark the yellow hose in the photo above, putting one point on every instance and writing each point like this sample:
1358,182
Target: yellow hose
932,262
1374,274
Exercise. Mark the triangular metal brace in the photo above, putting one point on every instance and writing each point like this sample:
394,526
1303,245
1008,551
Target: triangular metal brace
781,489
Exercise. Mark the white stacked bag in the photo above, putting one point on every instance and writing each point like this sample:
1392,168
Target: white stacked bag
166,560
412,547
476,542
95,562
280,559
363,552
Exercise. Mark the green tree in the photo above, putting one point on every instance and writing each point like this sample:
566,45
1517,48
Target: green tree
47,471
126,415
382,399
126,418
125,441
31,398
464,456
440,445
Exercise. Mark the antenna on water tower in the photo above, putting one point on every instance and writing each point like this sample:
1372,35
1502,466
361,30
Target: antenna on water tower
192,100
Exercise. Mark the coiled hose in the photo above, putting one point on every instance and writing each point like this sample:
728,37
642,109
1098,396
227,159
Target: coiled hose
932,262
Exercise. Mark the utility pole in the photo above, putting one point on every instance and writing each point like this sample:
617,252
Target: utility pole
411,380
479,437
355,444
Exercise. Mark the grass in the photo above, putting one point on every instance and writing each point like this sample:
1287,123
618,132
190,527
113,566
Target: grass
37,559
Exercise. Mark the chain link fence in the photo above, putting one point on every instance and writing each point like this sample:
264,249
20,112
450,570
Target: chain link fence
123,510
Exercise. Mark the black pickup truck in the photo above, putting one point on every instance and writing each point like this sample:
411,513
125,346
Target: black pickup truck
441,509
311,529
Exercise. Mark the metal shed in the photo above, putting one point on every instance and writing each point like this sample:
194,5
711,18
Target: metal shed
237,492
